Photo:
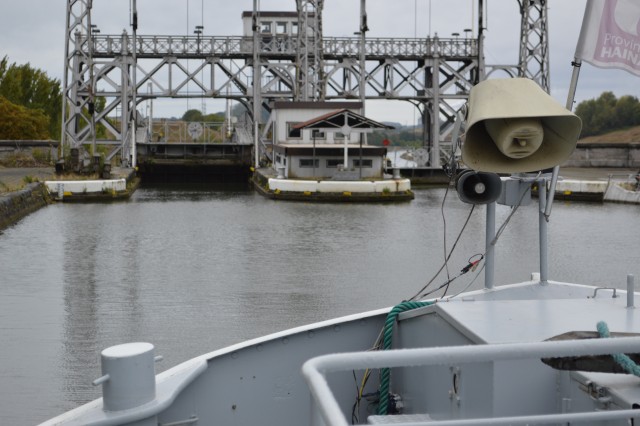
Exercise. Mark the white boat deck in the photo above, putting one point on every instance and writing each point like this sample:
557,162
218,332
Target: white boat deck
513,321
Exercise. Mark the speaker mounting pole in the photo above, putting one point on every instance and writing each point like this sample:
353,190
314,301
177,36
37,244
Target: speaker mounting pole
489,254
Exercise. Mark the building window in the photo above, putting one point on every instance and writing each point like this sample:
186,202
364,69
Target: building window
333,163
309,162
291,132
265,27
365,163
281,28
294,28
318,134
278,158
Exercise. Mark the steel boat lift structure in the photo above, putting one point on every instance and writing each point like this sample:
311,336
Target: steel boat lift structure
435,74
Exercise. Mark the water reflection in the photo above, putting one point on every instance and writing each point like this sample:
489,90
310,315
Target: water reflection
80,299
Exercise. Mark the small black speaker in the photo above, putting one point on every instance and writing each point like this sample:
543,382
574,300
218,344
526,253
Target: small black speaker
478,187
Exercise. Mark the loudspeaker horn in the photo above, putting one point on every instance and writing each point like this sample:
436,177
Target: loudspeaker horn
478,187
514,126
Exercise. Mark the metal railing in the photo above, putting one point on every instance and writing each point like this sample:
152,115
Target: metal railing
325,406
237,46
169,131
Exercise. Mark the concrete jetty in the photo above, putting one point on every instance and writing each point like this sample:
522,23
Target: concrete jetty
122,184
268,184
24,190
598,184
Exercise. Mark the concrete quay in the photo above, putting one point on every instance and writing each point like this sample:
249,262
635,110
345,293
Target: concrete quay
268,184
122,183
24,190
598,184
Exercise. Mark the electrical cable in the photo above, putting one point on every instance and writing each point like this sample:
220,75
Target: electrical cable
365,378
356,405
470,283
444,232
471,266
448,256
420,293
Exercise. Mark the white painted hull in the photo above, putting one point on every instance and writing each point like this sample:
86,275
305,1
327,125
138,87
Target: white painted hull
260,381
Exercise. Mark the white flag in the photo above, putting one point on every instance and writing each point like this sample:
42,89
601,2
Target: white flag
610,35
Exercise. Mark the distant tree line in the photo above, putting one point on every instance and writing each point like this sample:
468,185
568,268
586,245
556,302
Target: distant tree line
197,115
30,103
608,113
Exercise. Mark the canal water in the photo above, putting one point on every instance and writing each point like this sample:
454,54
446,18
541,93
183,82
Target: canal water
195,268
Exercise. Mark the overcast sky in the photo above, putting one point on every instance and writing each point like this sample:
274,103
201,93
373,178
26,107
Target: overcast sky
33,31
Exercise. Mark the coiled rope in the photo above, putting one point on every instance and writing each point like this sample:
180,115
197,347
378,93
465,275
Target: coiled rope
385,373
623,360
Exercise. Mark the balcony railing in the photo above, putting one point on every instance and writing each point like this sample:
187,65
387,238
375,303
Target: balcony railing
235,46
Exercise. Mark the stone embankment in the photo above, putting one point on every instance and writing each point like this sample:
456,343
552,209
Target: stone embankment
17,204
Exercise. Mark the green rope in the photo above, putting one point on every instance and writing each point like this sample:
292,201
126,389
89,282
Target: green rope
623,360
385,373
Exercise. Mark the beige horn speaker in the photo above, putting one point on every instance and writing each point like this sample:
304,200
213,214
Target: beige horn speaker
514,126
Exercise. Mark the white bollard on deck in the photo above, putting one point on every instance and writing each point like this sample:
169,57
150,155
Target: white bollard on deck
128,376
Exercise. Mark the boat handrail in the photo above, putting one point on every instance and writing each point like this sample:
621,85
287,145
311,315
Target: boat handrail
326,407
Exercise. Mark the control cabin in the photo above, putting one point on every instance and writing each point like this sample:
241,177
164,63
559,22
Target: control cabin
324,140
273,24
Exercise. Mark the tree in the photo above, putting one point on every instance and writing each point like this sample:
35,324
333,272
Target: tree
627,111
20,123
214,118
587,111
606,113
32,88
192,115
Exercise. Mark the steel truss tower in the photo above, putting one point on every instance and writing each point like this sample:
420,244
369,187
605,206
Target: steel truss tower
435,74
309,57
534,42
89,75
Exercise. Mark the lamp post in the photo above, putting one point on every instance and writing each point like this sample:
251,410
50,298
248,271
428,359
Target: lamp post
468,33
94,32
198,33
455,46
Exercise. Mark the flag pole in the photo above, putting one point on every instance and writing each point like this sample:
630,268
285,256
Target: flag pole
577,63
